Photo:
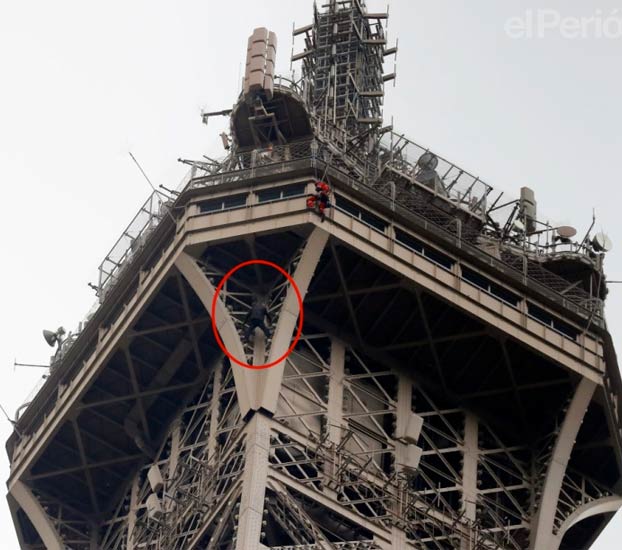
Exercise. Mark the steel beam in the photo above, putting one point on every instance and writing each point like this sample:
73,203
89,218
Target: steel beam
31,506
542,535
268,382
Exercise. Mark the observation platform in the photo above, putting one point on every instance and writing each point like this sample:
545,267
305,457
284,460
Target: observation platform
401,292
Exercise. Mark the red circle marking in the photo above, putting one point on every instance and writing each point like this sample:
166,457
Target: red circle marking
300,317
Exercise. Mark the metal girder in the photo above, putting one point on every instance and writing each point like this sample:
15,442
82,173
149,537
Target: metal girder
519,388
193,331
31,506
426,325
268,382
344,288
169,327
542,535
205,290
606,505
375,289
136,388
437,340
85,467
87,472
135,396
519,403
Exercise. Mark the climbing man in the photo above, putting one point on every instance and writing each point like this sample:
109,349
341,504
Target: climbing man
320,200
256,318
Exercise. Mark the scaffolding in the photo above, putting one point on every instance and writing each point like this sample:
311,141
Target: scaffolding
343,67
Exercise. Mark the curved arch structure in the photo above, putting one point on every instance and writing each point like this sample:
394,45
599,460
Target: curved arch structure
542,530
205,290
31,506
607,505
258,390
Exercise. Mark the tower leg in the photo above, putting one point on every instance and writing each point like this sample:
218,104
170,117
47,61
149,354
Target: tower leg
542,529
254,483
37,516
469,475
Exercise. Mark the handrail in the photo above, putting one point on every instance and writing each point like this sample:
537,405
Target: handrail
132,238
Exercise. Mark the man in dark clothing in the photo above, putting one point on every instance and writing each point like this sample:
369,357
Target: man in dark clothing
256,318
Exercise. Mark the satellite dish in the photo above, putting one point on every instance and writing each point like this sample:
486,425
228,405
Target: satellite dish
602,243
428,161
566,232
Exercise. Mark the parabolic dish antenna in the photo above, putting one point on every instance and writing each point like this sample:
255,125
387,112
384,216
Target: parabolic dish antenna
566,232
428,161
601,242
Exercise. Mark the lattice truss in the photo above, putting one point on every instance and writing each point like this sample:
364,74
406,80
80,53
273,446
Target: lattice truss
337,478
343,65
70,523
201,462
239,291
355,461
577,488
341,473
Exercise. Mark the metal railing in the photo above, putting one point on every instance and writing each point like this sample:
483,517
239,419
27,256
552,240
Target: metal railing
131,240
368,178
456,186
438,175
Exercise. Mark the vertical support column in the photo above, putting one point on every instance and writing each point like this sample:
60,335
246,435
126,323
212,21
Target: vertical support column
399,540
259,348
403,459
131,514
335,390
470,458
214,411
334,408
403,411
94,537
254,483
175,445
542,528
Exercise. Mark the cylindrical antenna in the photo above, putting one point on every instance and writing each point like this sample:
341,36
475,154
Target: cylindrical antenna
159,193
142,172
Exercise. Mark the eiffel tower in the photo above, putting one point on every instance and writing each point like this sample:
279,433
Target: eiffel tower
424,372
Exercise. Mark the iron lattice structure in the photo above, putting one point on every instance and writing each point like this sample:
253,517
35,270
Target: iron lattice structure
343,66
454,385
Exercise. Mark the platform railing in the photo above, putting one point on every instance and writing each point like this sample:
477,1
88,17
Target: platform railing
132,238
401,155
397,156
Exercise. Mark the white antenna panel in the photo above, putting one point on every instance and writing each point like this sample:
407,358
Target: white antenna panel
260,62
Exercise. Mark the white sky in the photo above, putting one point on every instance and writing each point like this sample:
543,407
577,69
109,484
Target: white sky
83,82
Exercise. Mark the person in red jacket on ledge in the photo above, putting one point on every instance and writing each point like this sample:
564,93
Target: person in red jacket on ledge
320,200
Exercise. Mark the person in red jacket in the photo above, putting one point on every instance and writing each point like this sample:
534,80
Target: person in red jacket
320,200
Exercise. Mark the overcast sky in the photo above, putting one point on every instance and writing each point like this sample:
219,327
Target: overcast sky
84,82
